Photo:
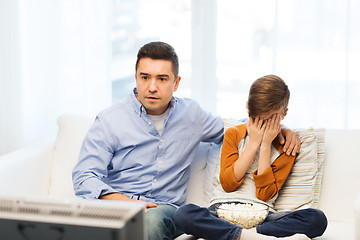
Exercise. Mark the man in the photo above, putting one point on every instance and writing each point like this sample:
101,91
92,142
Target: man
141,150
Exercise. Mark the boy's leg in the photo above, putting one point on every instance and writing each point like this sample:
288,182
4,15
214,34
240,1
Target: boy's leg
203,222
311,222
253,235
159,223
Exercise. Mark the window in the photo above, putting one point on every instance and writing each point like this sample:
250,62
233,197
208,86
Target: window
224,46
137,22
310,44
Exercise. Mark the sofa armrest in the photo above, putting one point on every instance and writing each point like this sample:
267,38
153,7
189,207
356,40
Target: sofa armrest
357,217
27,171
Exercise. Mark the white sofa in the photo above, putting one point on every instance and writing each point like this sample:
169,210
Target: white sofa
45,169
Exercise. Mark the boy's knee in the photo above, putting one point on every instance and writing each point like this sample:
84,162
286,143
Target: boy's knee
182,215
318,222
186,209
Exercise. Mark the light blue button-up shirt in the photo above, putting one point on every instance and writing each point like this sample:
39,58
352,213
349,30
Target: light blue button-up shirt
123,152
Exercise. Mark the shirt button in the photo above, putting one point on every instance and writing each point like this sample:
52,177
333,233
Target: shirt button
155,180
160,162
161,140
149,123
149,194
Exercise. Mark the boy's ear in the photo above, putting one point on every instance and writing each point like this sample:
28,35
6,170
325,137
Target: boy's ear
247,108
285,113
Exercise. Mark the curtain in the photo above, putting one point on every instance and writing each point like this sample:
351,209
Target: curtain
54,59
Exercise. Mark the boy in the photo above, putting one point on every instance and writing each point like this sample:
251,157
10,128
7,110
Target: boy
253,168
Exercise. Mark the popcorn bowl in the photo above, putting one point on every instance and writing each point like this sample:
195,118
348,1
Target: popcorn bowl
246,215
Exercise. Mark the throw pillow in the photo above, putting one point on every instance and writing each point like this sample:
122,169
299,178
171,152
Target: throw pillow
71,133
302,187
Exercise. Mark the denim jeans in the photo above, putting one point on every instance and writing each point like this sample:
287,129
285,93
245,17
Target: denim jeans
204,223
159,223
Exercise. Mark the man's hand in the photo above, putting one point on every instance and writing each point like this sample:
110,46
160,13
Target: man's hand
290,141
122,197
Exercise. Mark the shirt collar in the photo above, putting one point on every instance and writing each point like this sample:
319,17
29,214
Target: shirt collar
139,108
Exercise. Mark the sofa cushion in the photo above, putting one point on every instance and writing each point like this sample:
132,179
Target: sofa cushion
303,185
211,179
213,164
71,132
195,188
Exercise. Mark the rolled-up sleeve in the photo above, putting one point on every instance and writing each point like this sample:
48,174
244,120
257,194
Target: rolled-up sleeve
94,158
229,155
272,179
212,126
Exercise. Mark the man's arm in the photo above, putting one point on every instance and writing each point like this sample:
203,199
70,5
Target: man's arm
212,127
94,157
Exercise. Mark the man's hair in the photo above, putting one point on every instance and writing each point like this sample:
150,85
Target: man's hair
268,93
159,50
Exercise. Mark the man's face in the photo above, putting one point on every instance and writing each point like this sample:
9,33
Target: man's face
155,82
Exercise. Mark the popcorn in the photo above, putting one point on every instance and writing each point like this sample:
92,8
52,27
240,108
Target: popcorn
244,214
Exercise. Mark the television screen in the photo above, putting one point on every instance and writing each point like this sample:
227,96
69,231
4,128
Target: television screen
40,218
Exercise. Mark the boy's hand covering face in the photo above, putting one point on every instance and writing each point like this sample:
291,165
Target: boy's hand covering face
263,131
255,128
272,128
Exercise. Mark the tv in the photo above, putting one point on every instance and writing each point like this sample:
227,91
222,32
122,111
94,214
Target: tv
42,218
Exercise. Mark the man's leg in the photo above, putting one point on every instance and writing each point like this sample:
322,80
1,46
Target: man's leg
159,223
203,223
311,222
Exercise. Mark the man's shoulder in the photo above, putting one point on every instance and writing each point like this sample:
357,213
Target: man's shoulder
187,102
188,106
113,112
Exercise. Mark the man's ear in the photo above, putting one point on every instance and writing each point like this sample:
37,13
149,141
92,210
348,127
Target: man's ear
177,82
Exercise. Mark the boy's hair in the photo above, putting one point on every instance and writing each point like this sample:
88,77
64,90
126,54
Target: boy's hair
268,93
159,50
